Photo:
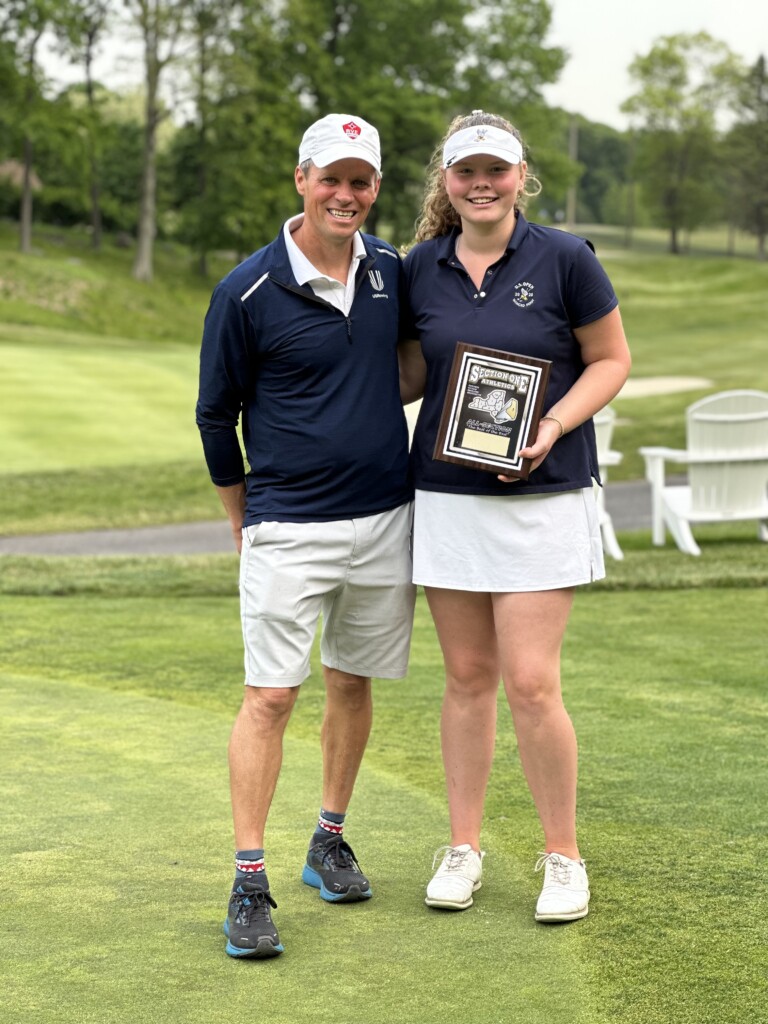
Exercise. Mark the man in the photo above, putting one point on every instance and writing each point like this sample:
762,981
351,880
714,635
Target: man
300,341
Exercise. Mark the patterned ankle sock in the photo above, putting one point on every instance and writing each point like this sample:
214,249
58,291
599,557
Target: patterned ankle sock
328,824
249,866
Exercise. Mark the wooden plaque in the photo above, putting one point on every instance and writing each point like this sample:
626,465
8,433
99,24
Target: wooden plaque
492,409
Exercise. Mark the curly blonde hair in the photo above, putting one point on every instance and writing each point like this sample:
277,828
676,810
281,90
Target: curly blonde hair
437,216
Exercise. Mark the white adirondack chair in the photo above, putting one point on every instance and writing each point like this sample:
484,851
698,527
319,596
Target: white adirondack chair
604,422
727,461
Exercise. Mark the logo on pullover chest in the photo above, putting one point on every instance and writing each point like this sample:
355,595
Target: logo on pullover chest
523,296
377,283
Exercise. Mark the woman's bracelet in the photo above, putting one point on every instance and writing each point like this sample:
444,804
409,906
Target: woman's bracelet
557,421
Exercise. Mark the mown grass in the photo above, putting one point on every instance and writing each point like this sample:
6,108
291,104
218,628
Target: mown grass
731,558
98,498
82,402
118,697
119,816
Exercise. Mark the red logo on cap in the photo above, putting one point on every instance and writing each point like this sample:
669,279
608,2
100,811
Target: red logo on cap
351,129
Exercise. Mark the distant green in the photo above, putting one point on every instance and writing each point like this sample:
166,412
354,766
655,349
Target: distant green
80,402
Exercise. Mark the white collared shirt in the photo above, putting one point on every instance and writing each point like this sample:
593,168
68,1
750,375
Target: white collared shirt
338,294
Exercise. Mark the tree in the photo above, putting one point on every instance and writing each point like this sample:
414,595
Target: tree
502,69
203,154
606,160
120,146
408,66
230,166
747,149
684,81
505,63
405,53
23,25
207,20
160,23
60,154
601,167
11,90
80,36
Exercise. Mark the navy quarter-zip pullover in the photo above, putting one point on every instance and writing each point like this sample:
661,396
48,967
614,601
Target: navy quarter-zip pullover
316,392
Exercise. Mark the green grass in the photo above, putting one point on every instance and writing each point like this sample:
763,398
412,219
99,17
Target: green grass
117,700
80,402
119,496
730,558
124,840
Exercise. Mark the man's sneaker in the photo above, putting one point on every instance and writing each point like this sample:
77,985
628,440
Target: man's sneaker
331,867
565,893
456,879
248,927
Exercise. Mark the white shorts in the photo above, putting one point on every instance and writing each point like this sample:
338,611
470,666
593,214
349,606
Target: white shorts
355,572
498,544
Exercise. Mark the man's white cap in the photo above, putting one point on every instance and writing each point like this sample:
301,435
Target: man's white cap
339,137
482,139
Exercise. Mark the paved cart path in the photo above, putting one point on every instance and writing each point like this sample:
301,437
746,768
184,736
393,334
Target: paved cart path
628,503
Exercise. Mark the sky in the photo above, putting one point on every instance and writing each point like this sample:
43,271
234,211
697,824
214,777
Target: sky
604,36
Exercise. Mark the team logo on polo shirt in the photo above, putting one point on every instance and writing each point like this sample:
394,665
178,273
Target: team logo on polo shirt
523,296
377,283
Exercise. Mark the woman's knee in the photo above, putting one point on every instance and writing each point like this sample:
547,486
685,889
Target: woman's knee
472,682
529,691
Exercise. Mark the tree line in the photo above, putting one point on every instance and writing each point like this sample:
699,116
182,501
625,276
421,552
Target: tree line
250,75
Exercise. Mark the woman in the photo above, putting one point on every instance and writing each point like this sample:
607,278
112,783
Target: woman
498,558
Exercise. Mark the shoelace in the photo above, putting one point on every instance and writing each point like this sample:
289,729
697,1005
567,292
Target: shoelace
454,859
253,904
560,869
338,855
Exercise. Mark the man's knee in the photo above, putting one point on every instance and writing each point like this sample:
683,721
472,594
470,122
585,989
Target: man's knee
269,706
353,690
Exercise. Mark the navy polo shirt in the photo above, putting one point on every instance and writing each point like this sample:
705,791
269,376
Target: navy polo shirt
547,283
